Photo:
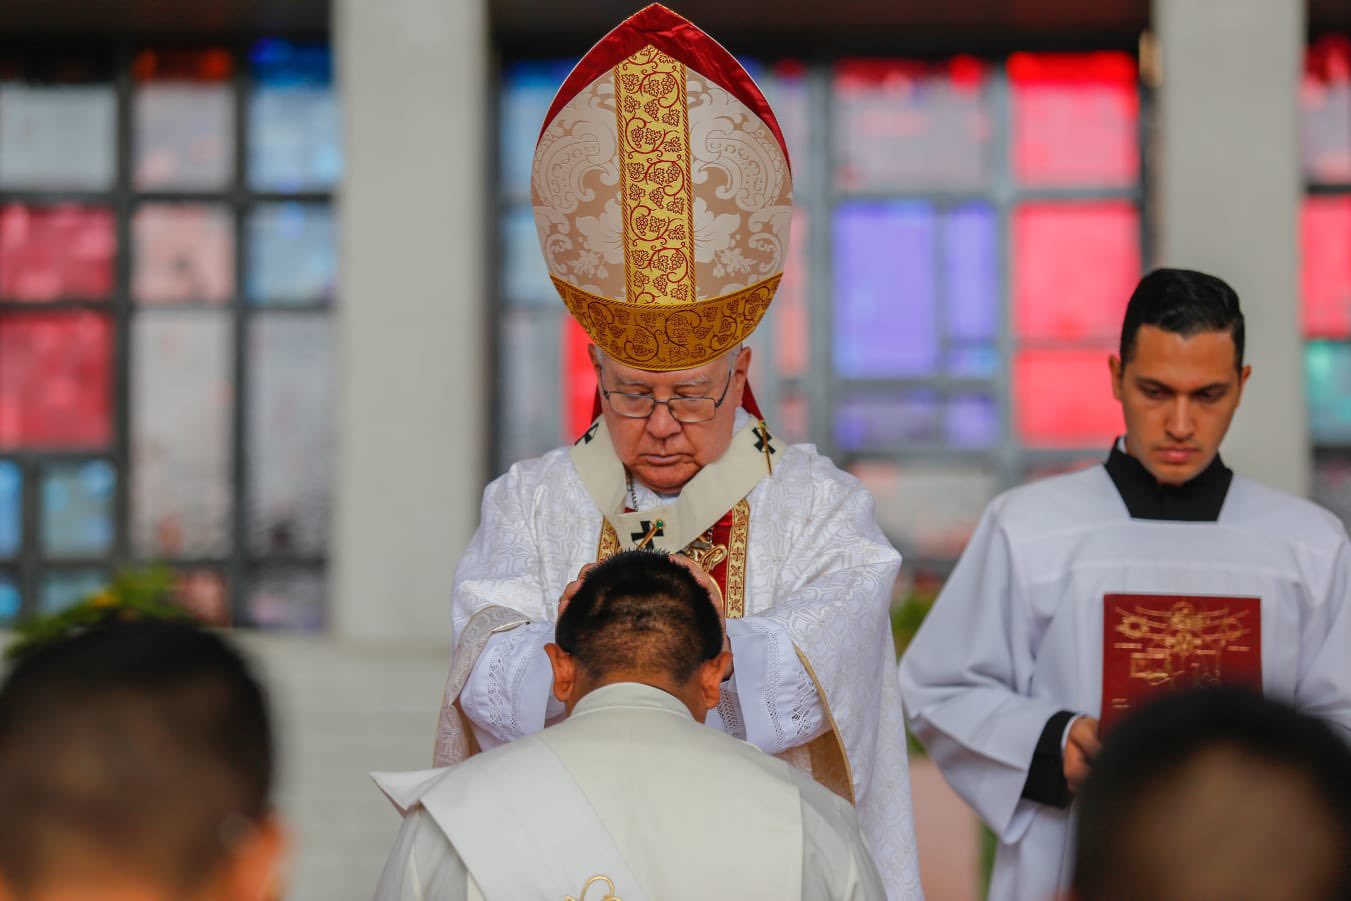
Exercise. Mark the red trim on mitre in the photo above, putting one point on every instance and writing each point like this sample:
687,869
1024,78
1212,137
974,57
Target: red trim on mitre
678,38
747,403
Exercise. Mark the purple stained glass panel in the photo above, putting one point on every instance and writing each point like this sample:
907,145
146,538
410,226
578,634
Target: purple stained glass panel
973,420
887,422
885,303
971,271
288,598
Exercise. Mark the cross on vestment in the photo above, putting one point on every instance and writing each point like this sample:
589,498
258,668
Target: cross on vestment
649,531
762,443
590,434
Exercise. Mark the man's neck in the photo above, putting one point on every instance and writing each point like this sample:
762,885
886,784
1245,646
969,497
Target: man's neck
1197,500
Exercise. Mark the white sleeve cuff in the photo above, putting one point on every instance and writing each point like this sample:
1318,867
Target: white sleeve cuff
780,708
507,693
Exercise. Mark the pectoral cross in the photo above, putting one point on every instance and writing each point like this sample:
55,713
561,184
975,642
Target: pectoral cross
590,434
762,443
650,530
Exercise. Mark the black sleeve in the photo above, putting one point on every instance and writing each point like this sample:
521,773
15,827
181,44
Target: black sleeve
1046,776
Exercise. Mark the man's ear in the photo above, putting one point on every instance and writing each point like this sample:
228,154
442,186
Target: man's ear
565,671
710,677
1116,368
255,865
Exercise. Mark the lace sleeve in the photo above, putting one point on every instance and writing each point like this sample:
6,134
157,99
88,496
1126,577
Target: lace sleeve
779,704
508,690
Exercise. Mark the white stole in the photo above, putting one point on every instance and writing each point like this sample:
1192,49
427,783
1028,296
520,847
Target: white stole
535,835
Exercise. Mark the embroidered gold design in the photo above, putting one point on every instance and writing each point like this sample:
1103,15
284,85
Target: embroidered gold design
829,756
609,542
597,880
705,553
1165,644
653,120
738,546
666,337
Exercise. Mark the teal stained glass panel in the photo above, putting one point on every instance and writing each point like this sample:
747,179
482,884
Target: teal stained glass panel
77,508
66,588
1327,373
11,508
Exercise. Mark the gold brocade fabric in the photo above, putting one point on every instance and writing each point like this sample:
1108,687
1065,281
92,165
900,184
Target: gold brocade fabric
656,192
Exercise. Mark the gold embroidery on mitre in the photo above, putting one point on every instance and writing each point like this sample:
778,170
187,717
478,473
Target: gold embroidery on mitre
597,880
653,120
663,338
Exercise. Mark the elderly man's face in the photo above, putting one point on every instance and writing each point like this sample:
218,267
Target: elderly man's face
662,452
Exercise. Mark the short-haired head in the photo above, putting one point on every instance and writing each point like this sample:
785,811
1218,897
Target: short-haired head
1216,793
140,750
1186,303
640,613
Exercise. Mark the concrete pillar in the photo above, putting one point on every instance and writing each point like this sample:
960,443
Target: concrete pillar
412,400
1227,196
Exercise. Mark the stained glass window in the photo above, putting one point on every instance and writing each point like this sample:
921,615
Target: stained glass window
287,598
57,137
56,252
1325,101
292,254
1064,398
1326,274
77,508
1327,373
10,601
1074,267
11,508
951,496
293,118
55,380
181,497
290,428
183,253
64,588
910,124
183,120
1075,119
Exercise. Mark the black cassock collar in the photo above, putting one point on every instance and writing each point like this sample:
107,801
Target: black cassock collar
1199,500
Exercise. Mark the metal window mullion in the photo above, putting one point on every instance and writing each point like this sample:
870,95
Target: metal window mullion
123,203
821,381
1008,451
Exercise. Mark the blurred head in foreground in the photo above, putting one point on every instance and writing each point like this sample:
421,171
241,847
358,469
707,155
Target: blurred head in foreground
1217,794
640,617
135,762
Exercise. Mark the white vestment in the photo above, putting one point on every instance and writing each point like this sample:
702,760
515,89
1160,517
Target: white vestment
1017,634
818,583
692,814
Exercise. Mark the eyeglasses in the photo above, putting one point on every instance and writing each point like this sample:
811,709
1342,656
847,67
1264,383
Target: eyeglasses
682,409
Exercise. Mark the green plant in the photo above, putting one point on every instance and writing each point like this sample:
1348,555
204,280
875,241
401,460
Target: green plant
140,593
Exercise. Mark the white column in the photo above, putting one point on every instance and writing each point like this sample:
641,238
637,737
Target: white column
414,383
1227,200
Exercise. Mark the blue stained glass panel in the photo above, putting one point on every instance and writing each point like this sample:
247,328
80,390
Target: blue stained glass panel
292,257
77,508
525,277
1327,372
872,423
973,420
971,271
66,588
11,508
294,126
528,89
10,602
885,303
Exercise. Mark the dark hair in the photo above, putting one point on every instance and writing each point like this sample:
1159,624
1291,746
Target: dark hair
640,611
1184,302
145,745
1156,745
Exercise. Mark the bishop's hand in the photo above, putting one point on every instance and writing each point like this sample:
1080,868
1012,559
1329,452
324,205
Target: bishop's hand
573,587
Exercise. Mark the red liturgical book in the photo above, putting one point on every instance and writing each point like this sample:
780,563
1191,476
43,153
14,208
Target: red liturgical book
1157,643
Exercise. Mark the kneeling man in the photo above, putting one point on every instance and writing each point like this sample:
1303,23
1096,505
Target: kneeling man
630,796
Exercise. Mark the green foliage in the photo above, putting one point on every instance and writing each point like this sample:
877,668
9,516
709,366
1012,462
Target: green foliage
141,593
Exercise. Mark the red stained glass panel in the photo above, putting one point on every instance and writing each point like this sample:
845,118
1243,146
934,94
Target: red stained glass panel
1063,398
56,252
1325,106
1074,267
55,380
1075,119
1325,279
579,381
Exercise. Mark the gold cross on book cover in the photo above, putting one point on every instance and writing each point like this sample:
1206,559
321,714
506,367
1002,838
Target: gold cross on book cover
1156,643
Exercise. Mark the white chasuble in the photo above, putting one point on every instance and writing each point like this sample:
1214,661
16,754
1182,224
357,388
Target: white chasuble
629,798
815,670
1017,635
